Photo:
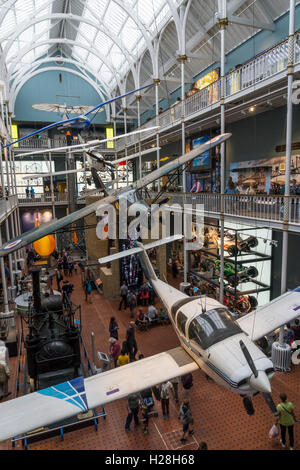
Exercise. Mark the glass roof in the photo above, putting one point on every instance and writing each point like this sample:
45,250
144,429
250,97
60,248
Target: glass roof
104,36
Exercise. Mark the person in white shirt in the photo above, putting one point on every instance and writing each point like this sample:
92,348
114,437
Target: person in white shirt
152,313
165,390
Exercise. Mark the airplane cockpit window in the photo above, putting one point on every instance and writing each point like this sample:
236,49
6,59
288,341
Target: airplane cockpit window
212,327
181,321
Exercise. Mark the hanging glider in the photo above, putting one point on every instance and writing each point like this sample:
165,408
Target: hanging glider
79,122
209,340
129,193
64,109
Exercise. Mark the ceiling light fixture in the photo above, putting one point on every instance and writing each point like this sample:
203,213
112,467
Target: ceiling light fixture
252,109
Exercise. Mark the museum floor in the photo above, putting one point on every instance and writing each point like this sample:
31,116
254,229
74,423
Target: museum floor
219,415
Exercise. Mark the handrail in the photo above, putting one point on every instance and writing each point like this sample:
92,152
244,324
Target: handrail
260,206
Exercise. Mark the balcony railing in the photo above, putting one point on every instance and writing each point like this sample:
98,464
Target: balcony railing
268,208
42,198
31,144
266,65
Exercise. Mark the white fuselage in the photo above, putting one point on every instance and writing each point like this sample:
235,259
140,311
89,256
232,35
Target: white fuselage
223,361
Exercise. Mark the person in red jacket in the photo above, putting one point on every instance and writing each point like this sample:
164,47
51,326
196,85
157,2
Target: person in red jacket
114,349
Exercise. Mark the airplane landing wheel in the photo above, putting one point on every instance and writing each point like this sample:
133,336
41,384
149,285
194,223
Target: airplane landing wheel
248,405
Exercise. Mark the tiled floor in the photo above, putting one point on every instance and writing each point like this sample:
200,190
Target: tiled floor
219,415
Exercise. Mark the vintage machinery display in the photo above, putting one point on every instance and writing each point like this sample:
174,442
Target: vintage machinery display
246,258
236,274
53,341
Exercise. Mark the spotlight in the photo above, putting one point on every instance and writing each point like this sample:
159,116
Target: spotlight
252,109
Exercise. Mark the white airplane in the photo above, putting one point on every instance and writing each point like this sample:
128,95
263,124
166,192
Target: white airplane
210,339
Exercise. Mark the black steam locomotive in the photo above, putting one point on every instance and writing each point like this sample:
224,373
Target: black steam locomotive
53,342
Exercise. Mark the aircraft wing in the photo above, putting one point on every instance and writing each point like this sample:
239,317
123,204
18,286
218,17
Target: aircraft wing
268,318
56,403
43,230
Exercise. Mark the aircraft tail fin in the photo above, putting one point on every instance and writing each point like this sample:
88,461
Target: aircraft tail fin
142,250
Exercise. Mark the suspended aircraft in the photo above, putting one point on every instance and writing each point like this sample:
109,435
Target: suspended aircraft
131,194
64,109
210,339
80,122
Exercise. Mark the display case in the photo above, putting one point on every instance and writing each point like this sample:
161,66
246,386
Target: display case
247,266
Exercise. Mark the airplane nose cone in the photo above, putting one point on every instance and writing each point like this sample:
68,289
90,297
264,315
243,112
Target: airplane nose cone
261,382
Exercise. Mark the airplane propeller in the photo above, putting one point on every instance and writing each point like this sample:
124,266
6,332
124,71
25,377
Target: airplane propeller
249,359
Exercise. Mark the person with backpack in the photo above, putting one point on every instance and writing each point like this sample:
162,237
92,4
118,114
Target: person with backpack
133,405
286,420
186,419
88,291
165,389
113,328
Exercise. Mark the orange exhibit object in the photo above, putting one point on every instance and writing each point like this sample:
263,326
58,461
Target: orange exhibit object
44,246
75,238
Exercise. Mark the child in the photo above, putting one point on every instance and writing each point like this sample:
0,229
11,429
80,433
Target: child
145,419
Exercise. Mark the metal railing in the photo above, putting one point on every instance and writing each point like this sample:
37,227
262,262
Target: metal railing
267,64
263,207
42,198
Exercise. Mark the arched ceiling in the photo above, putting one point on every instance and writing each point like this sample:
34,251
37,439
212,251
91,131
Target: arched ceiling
112,40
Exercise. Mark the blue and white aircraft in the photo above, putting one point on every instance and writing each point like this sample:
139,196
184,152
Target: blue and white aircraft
80,122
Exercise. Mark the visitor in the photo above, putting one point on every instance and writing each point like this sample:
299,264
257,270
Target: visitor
175,382
152,314
59,278
140,319
165,389
131,302
67,289
186,419
286,420
289,334
144,296
131,341
4,376
88,291
75,268
230,188
32,192
251,190
123,358
187,383
294,188
160,111
27,190
296,330
197,187
113,328
133,405
145,419
114,350
71,267
174,268
123,295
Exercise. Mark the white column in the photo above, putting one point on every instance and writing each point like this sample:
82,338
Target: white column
182,60
124,109
138,99
289,136
157,82
223,22
52,188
